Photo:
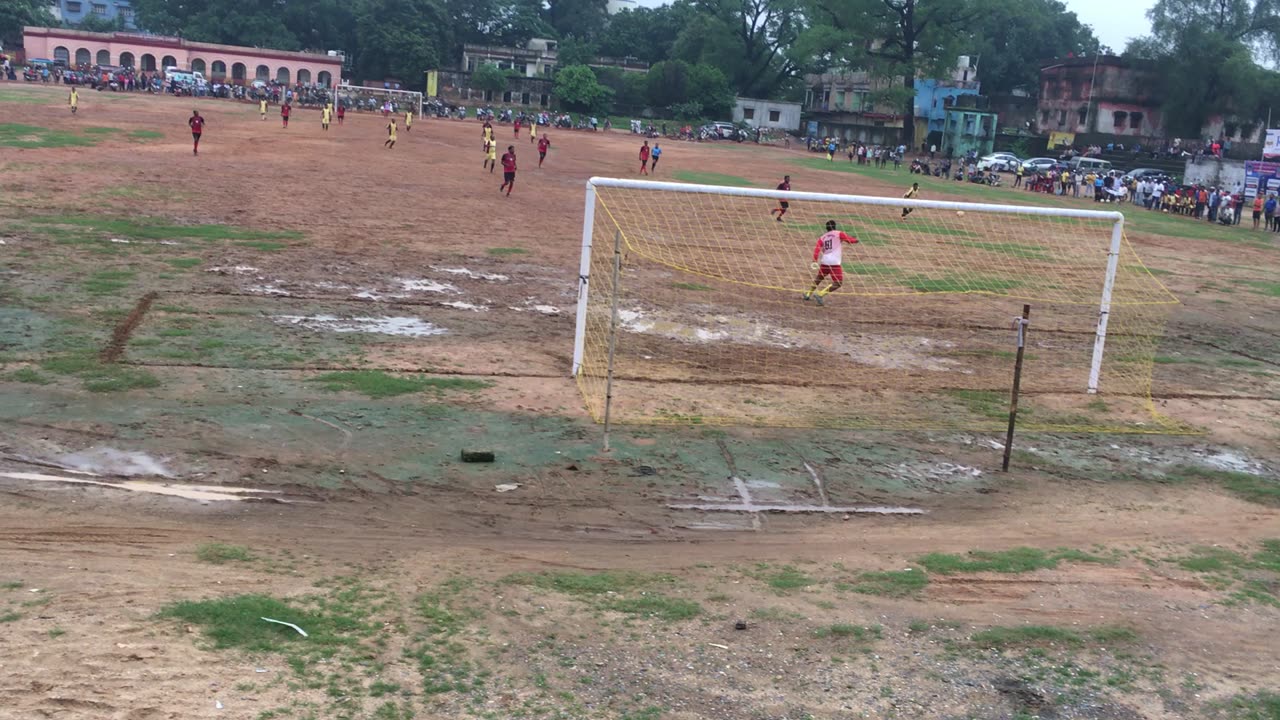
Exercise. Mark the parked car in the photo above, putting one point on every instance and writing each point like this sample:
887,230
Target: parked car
1146,174
1039,164
1002,162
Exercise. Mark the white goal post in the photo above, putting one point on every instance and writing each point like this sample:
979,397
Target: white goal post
588,231
400,98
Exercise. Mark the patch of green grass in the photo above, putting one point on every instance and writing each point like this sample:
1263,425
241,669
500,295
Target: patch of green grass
1018,250
1258,489
844,630
380,688
891,583
1262,705
27,375
145,135
589,584
11,585
148,228
100,130
788,579
184,263
32,137
99,377
56,632
236,622
657,606
871,270
107,282
776,614
1016,560
648,713
507,251
959,284
986,403
221,553
11,96
378,384
263,245
691,286
10,617
1040,635
711,178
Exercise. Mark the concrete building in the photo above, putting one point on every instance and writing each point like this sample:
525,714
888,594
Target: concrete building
74,12
934,96
1101,94
841,105
218,63
455,86
613,7
767,113
967,127
538,58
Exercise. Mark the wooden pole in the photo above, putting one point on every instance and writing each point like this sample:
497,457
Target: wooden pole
613,337
1020,323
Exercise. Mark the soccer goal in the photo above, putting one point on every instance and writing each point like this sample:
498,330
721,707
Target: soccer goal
696,305
366,98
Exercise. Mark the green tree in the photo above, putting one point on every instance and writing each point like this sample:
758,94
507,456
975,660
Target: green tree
891,39
401,39
489,77
710,89
583,19
257,23
647,34
14,14
510,23
576,88
573,51
1011,37
93,23
667,83
749,40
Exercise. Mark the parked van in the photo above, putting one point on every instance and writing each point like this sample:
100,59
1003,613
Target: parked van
1087,164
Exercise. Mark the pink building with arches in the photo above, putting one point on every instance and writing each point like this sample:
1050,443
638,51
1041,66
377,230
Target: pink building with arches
218,63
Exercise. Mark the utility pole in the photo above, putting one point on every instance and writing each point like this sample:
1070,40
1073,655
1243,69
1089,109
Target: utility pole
1088,109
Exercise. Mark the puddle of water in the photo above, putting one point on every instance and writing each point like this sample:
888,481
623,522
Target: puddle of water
201,493
269,290
401,326
235,270
470,273
547,309
757,508
1225,460
427,286
886,351
109,461
464,305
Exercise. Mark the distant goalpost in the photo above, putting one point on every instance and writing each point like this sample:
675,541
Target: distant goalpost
691,310
400,99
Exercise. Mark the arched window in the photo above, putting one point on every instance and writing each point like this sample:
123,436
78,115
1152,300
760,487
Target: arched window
239,73
263,73
218,69
104,57
324,78
304,77
61,54
126,59
197,65
149,62
169,61
83,57
282,76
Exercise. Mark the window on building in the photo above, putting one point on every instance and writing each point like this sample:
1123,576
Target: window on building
748,113
840,99
1083,114
126,13
546,68
73,7
1121,118
775,115
1044,117
471,64
524,98
544,100
1062,117
506,96
99,9
1135,120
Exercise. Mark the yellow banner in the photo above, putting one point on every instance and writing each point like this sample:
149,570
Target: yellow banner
433,83
1061,138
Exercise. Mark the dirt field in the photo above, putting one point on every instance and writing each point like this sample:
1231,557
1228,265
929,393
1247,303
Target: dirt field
308,330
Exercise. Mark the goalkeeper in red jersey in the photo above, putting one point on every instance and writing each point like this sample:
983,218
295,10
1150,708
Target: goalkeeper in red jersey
827,256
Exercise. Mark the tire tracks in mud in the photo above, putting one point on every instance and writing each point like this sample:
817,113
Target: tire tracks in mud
123,331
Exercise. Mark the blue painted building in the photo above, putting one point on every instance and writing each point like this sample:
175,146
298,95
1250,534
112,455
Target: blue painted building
935,96
74,12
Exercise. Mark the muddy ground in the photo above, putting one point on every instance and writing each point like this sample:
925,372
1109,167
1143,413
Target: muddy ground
1130,576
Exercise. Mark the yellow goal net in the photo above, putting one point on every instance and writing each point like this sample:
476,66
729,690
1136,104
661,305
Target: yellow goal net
708,305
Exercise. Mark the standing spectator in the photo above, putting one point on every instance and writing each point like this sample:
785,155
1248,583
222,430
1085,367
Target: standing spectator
644,158
285,109
197,129
1269,210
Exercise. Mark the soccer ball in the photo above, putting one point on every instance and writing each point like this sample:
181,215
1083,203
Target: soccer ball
960,213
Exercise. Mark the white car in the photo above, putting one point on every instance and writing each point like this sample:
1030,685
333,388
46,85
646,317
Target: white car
1038,164
999,162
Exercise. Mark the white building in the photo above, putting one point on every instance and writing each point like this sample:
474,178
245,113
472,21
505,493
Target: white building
616,6
767,113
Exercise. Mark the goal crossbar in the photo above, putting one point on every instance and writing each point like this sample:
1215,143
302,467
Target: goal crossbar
412,96
588,231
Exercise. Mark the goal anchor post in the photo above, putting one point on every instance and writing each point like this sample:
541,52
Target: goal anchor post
1104,309
584,276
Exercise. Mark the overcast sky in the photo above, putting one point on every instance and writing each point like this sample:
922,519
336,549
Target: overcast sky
1115,22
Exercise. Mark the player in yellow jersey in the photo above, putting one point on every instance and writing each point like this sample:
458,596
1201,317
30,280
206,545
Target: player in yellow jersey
262,107
325,115
408,120
391,134
533,132
914,191
74,100
490,154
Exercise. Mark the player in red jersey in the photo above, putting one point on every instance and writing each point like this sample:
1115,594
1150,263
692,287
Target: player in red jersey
784,186
342,112
517,129
196,121
826,260
508,170
544,143
285,109
644,158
